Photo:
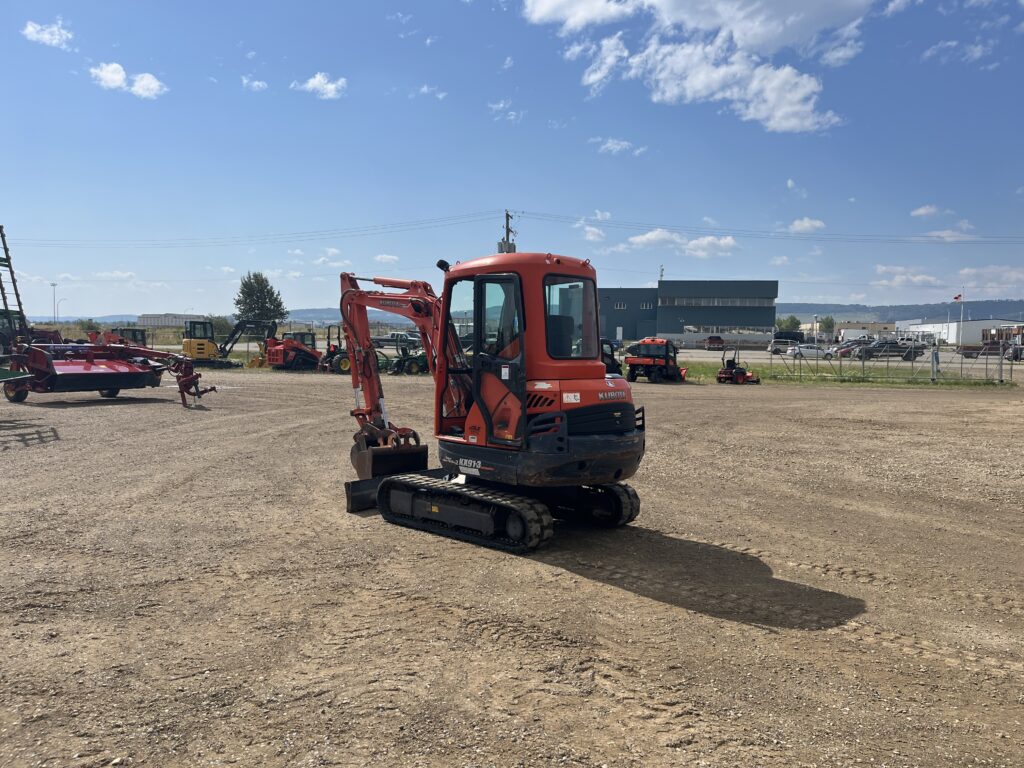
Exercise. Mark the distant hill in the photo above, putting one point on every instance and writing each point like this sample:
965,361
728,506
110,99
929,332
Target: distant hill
102,319
1009,309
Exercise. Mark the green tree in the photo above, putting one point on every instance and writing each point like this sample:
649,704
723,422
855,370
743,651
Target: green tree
89,325
257,299
791,323
221,325
826,325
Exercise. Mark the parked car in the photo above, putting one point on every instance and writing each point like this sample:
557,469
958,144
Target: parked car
808,350
778,346
847,348
988,349
396,340
714,343
1015,353
888,348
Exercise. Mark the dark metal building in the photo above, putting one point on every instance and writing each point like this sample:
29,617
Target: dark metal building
676,307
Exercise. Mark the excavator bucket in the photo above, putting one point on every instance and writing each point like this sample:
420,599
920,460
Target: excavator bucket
375,462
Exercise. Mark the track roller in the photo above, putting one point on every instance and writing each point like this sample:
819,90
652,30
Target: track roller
476,514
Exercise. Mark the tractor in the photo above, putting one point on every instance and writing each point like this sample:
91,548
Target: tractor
529,426
654,358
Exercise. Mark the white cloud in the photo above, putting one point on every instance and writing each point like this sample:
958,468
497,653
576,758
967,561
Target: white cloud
605,215
326,261
295,252
951,235
293,275
55,35
701,247
610,54
723,51
941,50
709,245
851,199
385,258
110,76
431,39
610,146
576,50
499,106
146,86
779,261
806,225
250,84
896,6
782,99
401,18
978,50
901,277
657,237
322,85
591,233
114,275
332,252
432,90
250,55
509,63
227,270
857,297
796,190
926,210
844,45
994,279
816,251
709,221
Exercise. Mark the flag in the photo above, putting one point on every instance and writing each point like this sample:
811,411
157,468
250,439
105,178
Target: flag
958,297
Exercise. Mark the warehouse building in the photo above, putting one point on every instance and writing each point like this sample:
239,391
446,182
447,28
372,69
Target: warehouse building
689,309
947,331
167,320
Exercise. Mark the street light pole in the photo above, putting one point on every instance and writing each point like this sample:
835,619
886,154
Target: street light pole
54,286
56,312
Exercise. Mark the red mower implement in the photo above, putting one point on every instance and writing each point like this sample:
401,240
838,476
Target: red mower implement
100,367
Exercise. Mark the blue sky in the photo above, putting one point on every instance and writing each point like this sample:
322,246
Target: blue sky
857,151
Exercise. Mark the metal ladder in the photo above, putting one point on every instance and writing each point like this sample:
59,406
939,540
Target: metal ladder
7,278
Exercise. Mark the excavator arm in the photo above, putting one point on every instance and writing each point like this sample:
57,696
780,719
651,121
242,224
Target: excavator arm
381,447
263,328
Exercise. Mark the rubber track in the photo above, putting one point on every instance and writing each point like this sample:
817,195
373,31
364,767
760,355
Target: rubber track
536,515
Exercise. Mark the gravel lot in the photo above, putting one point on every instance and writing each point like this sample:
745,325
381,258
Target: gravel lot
818,577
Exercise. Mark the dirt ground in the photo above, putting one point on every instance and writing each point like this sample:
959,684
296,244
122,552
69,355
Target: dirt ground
818,577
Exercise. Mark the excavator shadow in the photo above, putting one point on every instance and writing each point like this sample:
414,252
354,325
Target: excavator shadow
18,433
699,577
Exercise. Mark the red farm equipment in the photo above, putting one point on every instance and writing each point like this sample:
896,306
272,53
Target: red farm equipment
293,351
101,367
655,359
732,371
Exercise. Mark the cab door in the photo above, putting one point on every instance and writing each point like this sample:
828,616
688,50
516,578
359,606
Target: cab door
499,374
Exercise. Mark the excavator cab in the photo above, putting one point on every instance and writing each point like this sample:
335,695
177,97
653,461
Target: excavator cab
199,342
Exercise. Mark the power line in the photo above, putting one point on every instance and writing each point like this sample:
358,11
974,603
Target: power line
955,238
283,238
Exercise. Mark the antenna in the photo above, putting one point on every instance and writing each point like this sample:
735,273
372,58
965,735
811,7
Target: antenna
661,273
506,244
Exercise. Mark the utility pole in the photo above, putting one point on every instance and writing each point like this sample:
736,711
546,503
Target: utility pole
506,244
54,286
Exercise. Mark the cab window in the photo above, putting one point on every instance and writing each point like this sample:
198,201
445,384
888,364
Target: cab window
571,317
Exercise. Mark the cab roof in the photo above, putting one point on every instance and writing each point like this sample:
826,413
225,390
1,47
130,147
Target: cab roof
511,262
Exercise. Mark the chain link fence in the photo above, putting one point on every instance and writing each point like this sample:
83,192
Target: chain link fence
920,364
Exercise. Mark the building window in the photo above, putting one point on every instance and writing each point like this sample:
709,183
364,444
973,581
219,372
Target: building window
620,305
646,305
705,301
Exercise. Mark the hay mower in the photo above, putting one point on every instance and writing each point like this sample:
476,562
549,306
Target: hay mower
732,372
529,426
100,367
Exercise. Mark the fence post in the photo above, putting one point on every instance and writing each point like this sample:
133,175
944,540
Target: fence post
935,363
1000,364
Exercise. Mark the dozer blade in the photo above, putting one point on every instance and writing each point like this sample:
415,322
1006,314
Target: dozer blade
374,463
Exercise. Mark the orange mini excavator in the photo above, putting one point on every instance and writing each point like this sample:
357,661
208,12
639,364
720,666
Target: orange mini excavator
528,424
